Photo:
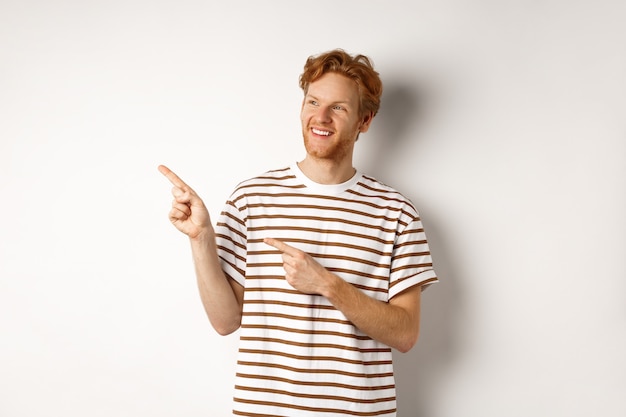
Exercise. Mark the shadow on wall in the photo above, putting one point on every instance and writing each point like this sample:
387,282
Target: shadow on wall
419,372
400,106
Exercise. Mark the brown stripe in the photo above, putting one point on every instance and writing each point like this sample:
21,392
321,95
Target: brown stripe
300,331
291,317
320,197
337,244
288,291
413,266
230,239
320,256
323,219
315,345
421,283
323,231
314,358
233,253
239,271
316,383
284,303
276,182
315,371
380,196
413,242
316,397
411,255
315,409
324,208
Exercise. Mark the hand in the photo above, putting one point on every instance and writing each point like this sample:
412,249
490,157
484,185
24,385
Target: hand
188,213
302,272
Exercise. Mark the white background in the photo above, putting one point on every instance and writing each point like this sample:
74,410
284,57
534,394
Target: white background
502,120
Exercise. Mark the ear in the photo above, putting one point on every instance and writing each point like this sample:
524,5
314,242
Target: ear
365,123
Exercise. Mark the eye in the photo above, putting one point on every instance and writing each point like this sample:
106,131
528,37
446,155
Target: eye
338,108
313,103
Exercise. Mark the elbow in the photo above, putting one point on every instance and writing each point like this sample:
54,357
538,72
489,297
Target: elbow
224,331
407,343
226,328
405,347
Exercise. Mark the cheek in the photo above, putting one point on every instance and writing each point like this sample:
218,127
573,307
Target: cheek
305,118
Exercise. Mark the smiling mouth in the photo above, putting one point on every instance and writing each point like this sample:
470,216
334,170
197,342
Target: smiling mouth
320,132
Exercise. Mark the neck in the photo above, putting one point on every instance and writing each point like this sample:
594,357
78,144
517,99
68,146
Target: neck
324,171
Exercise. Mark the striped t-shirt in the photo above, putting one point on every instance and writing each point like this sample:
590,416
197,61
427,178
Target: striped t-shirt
298,355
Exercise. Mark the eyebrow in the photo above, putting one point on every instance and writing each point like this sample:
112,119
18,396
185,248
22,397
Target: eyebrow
334,102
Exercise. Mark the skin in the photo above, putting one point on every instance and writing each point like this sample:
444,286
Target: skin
331,123
221,297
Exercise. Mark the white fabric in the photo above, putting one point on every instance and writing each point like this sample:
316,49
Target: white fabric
299,356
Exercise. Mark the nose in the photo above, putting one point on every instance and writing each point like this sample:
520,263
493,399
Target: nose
323,114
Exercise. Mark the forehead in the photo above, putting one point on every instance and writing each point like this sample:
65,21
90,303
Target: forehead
333,87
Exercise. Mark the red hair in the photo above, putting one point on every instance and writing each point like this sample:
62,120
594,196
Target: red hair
358,68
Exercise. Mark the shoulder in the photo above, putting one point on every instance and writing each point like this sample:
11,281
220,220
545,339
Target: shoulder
370,187
272,178
272,175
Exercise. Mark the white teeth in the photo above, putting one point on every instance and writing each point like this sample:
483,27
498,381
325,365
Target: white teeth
321,132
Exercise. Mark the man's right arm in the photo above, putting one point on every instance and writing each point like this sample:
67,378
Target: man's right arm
221,296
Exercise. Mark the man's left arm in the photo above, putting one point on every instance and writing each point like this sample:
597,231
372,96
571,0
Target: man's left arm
395,323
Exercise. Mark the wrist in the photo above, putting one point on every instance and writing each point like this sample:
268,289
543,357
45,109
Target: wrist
332,286
205,235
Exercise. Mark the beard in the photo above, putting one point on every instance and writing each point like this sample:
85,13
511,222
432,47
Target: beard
336,148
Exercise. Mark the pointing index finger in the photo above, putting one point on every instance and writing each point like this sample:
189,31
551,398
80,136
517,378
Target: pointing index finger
174,179
280,245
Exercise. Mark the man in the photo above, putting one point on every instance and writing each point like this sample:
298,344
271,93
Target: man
319,266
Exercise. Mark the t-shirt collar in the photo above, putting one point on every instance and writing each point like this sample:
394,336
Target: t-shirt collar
328,189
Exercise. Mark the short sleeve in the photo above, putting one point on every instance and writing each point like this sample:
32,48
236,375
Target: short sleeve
230,237
411,262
